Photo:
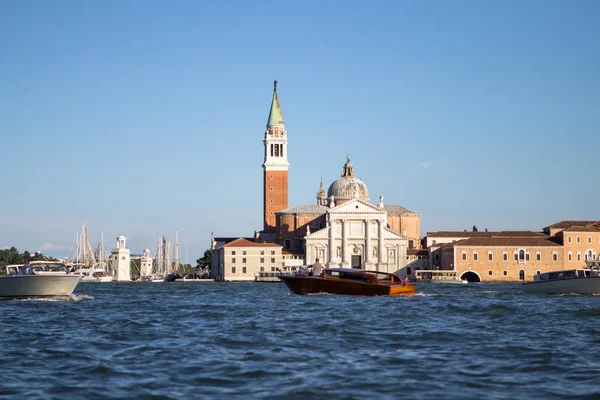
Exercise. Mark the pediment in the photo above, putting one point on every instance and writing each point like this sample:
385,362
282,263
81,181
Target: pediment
390,234
356,206
320,234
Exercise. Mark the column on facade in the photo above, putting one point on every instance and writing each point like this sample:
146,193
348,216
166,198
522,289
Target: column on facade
331,245
310,258
380,257
345,256
402,256
367,241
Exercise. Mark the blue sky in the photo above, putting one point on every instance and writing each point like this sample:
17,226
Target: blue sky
148,116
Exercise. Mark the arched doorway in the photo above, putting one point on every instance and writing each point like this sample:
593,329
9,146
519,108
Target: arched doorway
521,275
470,276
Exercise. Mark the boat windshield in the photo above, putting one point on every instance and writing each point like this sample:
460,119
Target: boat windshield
571,273
352,275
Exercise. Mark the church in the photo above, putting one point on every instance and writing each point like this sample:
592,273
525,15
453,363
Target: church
341,229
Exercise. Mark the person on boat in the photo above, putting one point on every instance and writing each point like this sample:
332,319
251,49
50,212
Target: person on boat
406,281
317,268
26,270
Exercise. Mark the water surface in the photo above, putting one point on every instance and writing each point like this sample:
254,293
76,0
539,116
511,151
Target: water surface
257,341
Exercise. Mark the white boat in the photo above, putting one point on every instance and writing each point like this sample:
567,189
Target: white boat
437,276
95,274
91,264
578,281
21,281
264,276
451,281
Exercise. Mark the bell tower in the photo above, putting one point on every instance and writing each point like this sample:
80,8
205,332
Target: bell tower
275,165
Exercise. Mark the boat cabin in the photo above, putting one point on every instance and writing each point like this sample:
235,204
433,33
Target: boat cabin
373,277
566,274
431,275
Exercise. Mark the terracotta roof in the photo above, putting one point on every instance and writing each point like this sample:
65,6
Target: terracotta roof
485,234
397,210
243,242
520,234
318,209
589,228
305,209
460,234
568,224
230,239
417,252
443,245
292,252
509,241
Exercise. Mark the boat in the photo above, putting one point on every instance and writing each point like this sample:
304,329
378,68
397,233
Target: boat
94,274
162,266
22,281
264,276
577,281
91,264
450,281
437,276
348,281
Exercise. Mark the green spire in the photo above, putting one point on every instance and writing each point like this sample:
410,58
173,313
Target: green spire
275,117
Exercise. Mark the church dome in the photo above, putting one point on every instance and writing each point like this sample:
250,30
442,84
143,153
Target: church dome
348,186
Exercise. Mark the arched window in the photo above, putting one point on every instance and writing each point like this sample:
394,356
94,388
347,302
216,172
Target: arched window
521,255
522,275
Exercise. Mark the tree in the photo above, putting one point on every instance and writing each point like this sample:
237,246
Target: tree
204,261
12,256
486,229
475,228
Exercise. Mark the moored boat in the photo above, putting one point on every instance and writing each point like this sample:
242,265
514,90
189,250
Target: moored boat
265,276
437,276
349,281
98,275
451,281
578,281
21,281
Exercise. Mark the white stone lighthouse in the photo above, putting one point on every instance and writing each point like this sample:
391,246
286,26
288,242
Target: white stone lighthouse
146,264
121,259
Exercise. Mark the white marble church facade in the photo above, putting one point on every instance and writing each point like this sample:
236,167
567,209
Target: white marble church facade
357,236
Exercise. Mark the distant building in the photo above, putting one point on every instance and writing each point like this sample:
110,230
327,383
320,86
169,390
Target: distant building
241,259
514,255
343,228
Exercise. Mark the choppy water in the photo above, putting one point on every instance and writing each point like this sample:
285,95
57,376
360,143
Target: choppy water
257,341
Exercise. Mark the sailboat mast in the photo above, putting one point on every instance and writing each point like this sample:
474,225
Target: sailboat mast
76,248
176,251
101,255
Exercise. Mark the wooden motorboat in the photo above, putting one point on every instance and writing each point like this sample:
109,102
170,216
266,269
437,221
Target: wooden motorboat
349,281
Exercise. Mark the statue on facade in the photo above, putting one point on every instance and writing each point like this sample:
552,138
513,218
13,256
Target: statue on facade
331,201
381,201
307,230
356,194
